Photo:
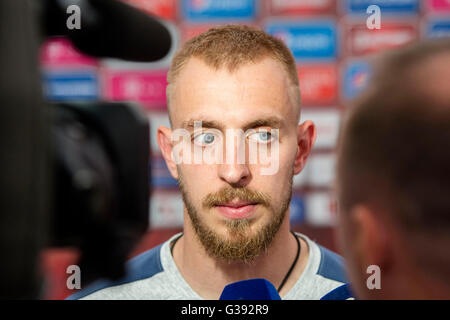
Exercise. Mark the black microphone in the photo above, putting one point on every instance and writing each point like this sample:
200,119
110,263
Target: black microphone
109,28
254,289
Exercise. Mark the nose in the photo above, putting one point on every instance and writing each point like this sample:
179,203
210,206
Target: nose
235,170
237,175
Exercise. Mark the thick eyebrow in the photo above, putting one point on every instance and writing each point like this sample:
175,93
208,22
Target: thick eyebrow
211,124
272,122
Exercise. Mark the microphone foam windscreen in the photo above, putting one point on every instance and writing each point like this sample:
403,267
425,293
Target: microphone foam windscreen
254,289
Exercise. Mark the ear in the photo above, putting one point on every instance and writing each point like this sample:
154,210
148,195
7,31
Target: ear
164,136
306,136
371,242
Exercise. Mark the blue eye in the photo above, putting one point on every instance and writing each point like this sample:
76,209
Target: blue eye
204,139
262,136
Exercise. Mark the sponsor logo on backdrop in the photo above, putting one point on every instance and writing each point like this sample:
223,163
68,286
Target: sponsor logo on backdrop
198,5
161,8
399,7
327,126
310,40
356,76
438,28
318,83
71,85
439,6
360,40
288,7
146,87
218,10
60,52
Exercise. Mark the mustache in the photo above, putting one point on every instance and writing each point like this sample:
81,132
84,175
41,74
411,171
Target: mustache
229,194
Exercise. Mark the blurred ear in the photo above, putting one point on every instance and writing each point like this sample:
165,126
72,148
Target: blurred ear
306,136
371,244
164,135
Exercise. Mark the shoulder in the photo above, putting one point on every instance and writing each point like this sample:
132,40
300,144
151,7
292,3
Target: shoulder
331,265
143,266
324,262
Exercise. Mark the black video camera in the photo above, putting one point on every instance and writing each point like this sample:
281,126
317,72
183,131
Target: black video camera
100,162
73,174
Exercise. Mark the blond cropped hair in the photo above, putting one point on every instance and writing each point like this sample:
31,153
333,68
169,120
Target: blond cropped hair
233,46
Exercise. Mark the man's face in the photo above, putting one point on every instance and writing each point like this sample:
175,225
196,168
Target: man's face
234,209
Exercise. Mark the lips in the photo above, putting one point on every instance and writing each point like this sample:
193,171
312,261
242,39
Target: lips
236,204
237,209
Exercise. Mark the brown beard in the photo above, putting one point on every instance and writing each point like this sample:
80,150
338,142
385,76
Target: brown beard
241,246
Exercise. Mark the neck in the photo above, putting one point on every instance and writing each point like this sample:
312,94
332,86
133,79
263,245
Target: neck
208,276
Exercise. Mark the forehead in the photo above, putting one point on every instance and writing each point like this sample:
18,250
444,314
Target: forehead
251,91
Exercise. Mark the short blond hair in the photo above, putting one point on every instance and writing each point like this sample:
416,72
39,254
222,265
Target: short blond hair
233,46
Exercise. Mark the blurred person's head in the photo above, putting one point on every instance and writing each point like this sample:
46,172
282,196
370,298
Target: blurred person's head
393,177
235,78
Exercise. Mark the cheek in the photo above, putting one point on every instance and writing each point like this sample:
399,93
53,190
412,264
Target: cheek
288,152
283,179
197,180
278,186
